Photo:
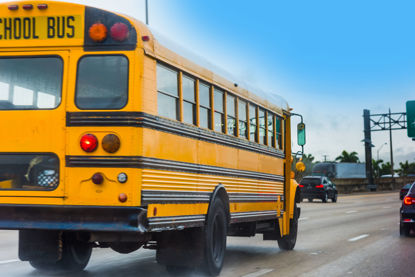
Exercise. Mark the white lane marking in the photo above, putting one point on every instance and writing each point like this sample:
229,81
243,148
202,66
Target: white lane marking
358,237
386,207
9,261
259,273
350,212
303,218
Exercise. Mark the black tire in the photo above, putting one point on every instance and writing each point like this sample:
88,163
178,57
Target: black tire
404,230
310,199
334,199
325,198
215,238
288,242
75,256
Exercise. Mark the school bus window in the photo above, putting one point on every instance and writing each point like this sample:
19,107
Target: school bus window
219,116
270,122
279,132
230,110
205,106
168,92
189,100
29,171
252,123
30,83
243,130
102,82
262,127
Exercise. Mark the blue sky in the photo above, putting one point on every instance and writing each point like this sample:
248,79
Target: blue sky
329,59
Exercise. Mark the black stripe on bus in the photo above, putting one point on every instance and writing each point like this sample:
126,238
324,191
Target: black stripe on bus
154,163
144,120
168,196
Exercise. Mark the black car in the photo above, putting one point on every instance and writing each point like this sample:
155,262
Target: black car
408,213
404,190
319,187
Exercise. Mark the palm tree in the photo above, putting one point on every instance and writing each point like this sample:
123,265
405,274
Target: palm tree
385,169
406,168
376,167
346,157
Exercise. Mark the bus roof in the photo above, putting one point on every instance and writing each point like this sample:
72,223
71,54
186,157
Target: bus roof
157,46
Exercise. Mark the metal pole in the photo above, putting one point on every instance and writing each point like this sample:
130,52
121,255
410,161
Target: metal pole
390,139
368,150
147,12
380,148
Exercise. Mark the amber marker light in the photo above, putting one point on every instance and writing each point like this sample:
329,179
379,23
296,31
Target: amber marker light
111,143
122,197
98,32
27,7
42,6
89,143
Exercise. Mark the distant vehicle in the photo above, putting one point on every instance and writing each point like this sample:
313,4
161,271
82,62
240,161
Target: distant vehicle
319,187
339,170
407,222
404,190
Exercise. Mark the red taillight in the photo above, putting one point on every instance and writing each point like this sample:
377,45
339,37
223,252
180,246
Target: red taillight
408,200
13,7
320,186
27,6
119,31
145,38
42,6
89,142
301,186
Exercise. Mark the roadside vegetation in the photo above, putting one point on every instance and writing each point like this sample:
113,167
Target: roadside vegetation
379,166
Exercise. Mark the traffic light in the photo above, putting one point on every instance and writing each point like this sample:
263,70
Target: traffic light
410,118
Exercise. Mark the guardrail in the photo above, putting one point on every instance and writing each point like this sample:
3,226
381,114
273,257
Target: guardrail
360,185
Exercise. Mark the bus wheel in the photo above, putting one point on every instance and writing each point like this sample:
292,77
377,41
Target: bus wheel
215,237
288,242
75,256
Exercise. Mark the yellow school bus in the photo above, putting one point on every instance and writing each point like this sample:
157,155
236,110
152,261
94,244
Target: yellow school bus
111,139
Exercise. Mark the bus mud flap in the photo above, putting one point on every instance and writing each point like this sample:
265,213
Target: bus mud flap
40,245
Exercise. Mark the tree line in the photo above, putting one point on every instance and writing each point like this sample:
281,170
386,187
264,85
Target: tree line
379,166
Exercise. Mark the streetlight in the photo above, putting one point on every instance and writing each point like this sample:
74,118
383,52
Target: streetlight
380,148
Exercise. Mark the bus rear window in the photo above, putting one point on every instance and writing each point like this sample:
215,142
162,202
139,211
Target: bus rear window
29,171
102,82
30,83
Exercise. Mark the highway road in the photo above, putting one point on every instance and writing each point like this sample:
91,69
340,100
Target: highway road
358,236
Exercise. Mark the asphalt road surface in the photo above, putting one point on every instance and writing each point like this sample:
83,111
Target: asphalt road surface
357,236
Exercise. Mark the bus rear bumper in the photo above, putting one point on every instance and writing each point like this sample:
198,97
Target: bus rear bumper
73,218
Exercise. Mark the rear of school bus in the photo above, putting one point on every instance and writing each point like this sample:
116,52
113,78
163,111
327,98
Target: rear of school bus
77,86
61,66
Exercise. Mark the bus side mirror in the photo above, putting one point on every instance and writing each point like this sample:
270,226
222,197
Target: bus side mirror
301,134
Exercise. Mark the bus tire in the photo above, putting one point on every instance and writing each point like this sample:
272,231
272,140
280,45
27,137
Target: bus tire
75,256
215,237
288,242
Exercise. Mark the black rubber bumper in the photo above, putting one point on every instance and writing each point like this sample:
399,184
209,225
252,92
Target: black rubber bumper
75,218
